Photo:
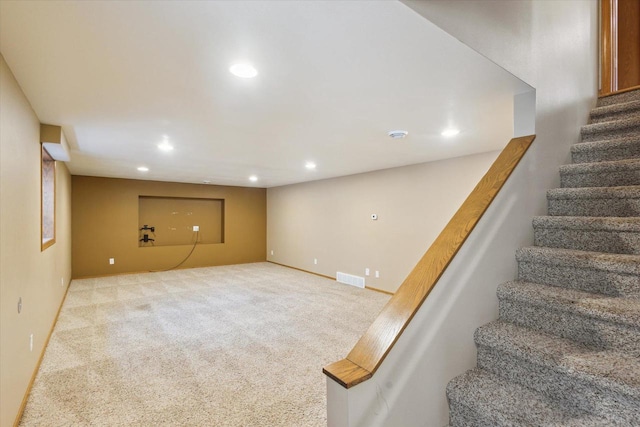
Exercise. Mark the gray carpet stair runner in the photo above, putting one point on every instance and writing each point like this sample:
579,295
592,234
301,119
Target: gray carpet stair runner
565,350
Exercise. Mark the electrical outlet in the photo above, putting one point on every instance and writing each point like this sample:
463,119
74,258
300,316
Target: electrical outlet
196,228
377,274
315,260
366,271
112,261
271,251
31,342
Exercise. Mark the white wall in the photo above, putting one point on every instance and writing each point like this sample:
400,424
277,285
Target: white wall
39,277
552,45
330,220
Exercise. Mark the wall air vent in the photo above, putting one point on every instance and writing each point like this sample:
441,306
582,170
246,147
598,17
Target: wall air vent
350,279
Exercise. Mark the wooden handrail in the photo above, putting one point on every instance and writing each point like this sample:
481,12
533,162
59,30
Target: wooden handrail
369,352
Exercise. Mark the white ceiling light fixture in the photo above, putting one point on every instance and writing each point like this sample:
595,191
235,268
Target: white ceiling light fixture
398,134
448,133
143,169
243,70
253,178
310,165
164,145
206,181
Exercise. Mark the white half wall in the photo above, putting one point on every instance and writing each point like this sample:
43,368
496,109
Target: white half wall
553,46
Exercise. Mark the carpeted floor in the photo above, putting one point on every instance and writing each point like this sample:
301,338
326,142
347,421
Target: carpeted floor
239,345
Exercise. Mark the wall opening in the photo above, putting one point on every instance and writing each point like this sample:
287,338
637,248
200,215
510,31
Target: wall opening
172,221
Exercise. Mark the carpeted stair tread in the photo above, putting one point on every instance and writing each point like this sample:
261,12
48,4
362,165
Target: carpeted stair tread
606,112
605,273
622,311
601,174
622,192
595,201
481,399
607,369
627,126
621,224
602,382
607,150
602,234
619,98
618,263
596,320
608,166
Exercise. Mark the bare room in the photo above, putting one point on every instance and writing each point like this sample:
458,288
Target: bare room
236,213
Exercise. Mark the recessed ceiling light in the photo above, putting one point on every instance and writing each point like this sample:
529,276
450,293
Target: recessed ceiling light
253,178
310,165
165,146
143,169
206,181
450,132
245,71
398,134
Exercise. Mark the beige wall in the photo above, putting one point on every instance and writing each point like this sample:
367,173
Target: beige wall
40,278
105,225
330,220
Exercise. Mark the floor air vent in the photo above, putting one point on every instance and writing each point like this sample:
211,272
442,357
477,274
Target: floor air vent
350,279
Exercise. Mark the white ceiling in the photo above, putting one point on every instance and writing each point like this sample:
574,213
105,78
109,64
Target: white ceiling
334,78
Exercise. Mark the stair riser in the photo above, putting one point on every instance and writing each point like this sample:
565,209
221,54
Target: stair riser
604,155
600,179
594,207
628,113
559,386
620,98
583,279
587,240
609,134
461,416
590,331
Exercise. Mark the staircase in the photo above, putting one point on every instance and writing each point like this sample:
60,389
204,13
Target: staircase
565,350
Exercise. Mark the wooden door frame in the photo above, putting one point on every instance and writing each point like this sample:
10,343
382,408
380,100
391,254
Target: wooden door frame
608,47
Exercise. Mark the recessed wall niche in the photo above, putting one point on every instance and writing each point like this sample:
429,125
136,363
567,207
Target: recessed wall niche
170,221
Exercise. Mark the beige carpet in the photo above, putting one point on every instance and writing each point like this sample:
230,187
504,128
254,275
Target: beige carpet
239,345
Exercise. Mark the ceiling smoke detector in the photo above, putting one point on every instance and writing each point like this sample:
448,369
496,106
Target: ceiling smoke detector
398,134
